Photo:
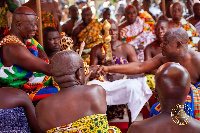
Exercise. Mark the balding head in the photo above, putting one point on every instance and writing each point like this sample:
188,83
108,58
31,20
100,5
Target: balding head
178,34
172,82
21,13
24,22
65,63
176,10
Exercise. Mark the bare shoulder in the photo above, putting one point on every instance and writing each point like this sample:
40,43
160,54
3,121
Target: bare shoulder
125,46
136,127
12,97
95,88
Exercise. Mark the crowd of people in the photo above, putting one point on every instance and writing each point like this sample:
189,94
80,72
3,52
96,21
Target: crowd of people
107,66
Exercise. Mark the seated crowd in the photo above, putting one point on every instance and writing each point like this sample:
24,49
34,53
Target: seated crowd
95,70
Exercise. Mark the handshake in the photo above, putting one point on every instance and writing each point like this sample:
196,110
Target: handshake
96,72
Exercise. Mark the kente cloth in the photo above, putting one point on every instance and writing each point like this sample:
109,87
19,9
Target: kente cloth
48,20
138,33
37,85
197,26
147,19
3,16
13,120
91,34
192,33
96,123
192,103
151,81
133,92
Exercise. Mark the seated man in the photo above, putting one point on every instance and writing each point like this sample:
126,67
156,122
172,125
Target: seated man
88,30
174,49
77,107
70,23
119,90
195,20
20,66
178,21
154,48
51,39
172,93
106,14
17,113
48,14
135,31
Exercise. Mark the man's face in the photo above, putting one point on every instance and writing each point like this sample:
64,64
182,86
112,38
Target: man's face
131,14
87,16
74,12
106,15
176,12
114,32
197,10
28,26
169,47
161,29
137,5
52,41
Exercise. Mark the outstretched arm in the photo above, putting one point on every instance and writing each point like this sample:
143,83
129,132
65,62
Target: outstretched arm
133,67
15,54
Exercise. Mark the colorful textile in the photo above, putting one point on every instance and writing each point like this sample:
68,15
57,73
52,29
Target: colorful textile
48,20
13,120
96,123
133,92
151,81
147,19
192,101
116,111
192,33
197,26
91,34
138,33
37,85
3,16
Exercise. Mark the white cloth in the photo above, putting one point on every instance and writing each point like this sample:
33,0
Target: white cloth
134,92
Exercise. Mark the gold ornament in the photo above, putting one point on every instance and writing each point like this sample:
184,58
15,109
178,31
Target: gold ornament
106,48
66,43
11,39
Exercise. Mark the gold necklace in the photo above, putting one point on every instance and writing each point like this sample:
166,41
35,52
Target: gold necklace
11,39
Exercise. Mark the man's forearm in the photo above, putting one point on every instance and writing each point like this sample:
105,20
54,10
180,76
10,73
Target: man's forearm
130,68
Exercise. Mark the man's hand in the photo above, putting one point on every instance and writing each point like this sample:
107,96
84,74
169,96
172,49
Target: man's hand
102,70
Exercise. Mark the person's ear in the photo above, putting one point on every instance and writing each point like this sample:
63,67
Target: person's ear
18,24
179,44
78,75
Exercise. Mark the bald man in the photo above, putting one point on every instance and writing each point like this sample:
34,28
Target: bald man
87,31
176,11
135,31
20,66
48,13
172,93
70,23
174,49
81,106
